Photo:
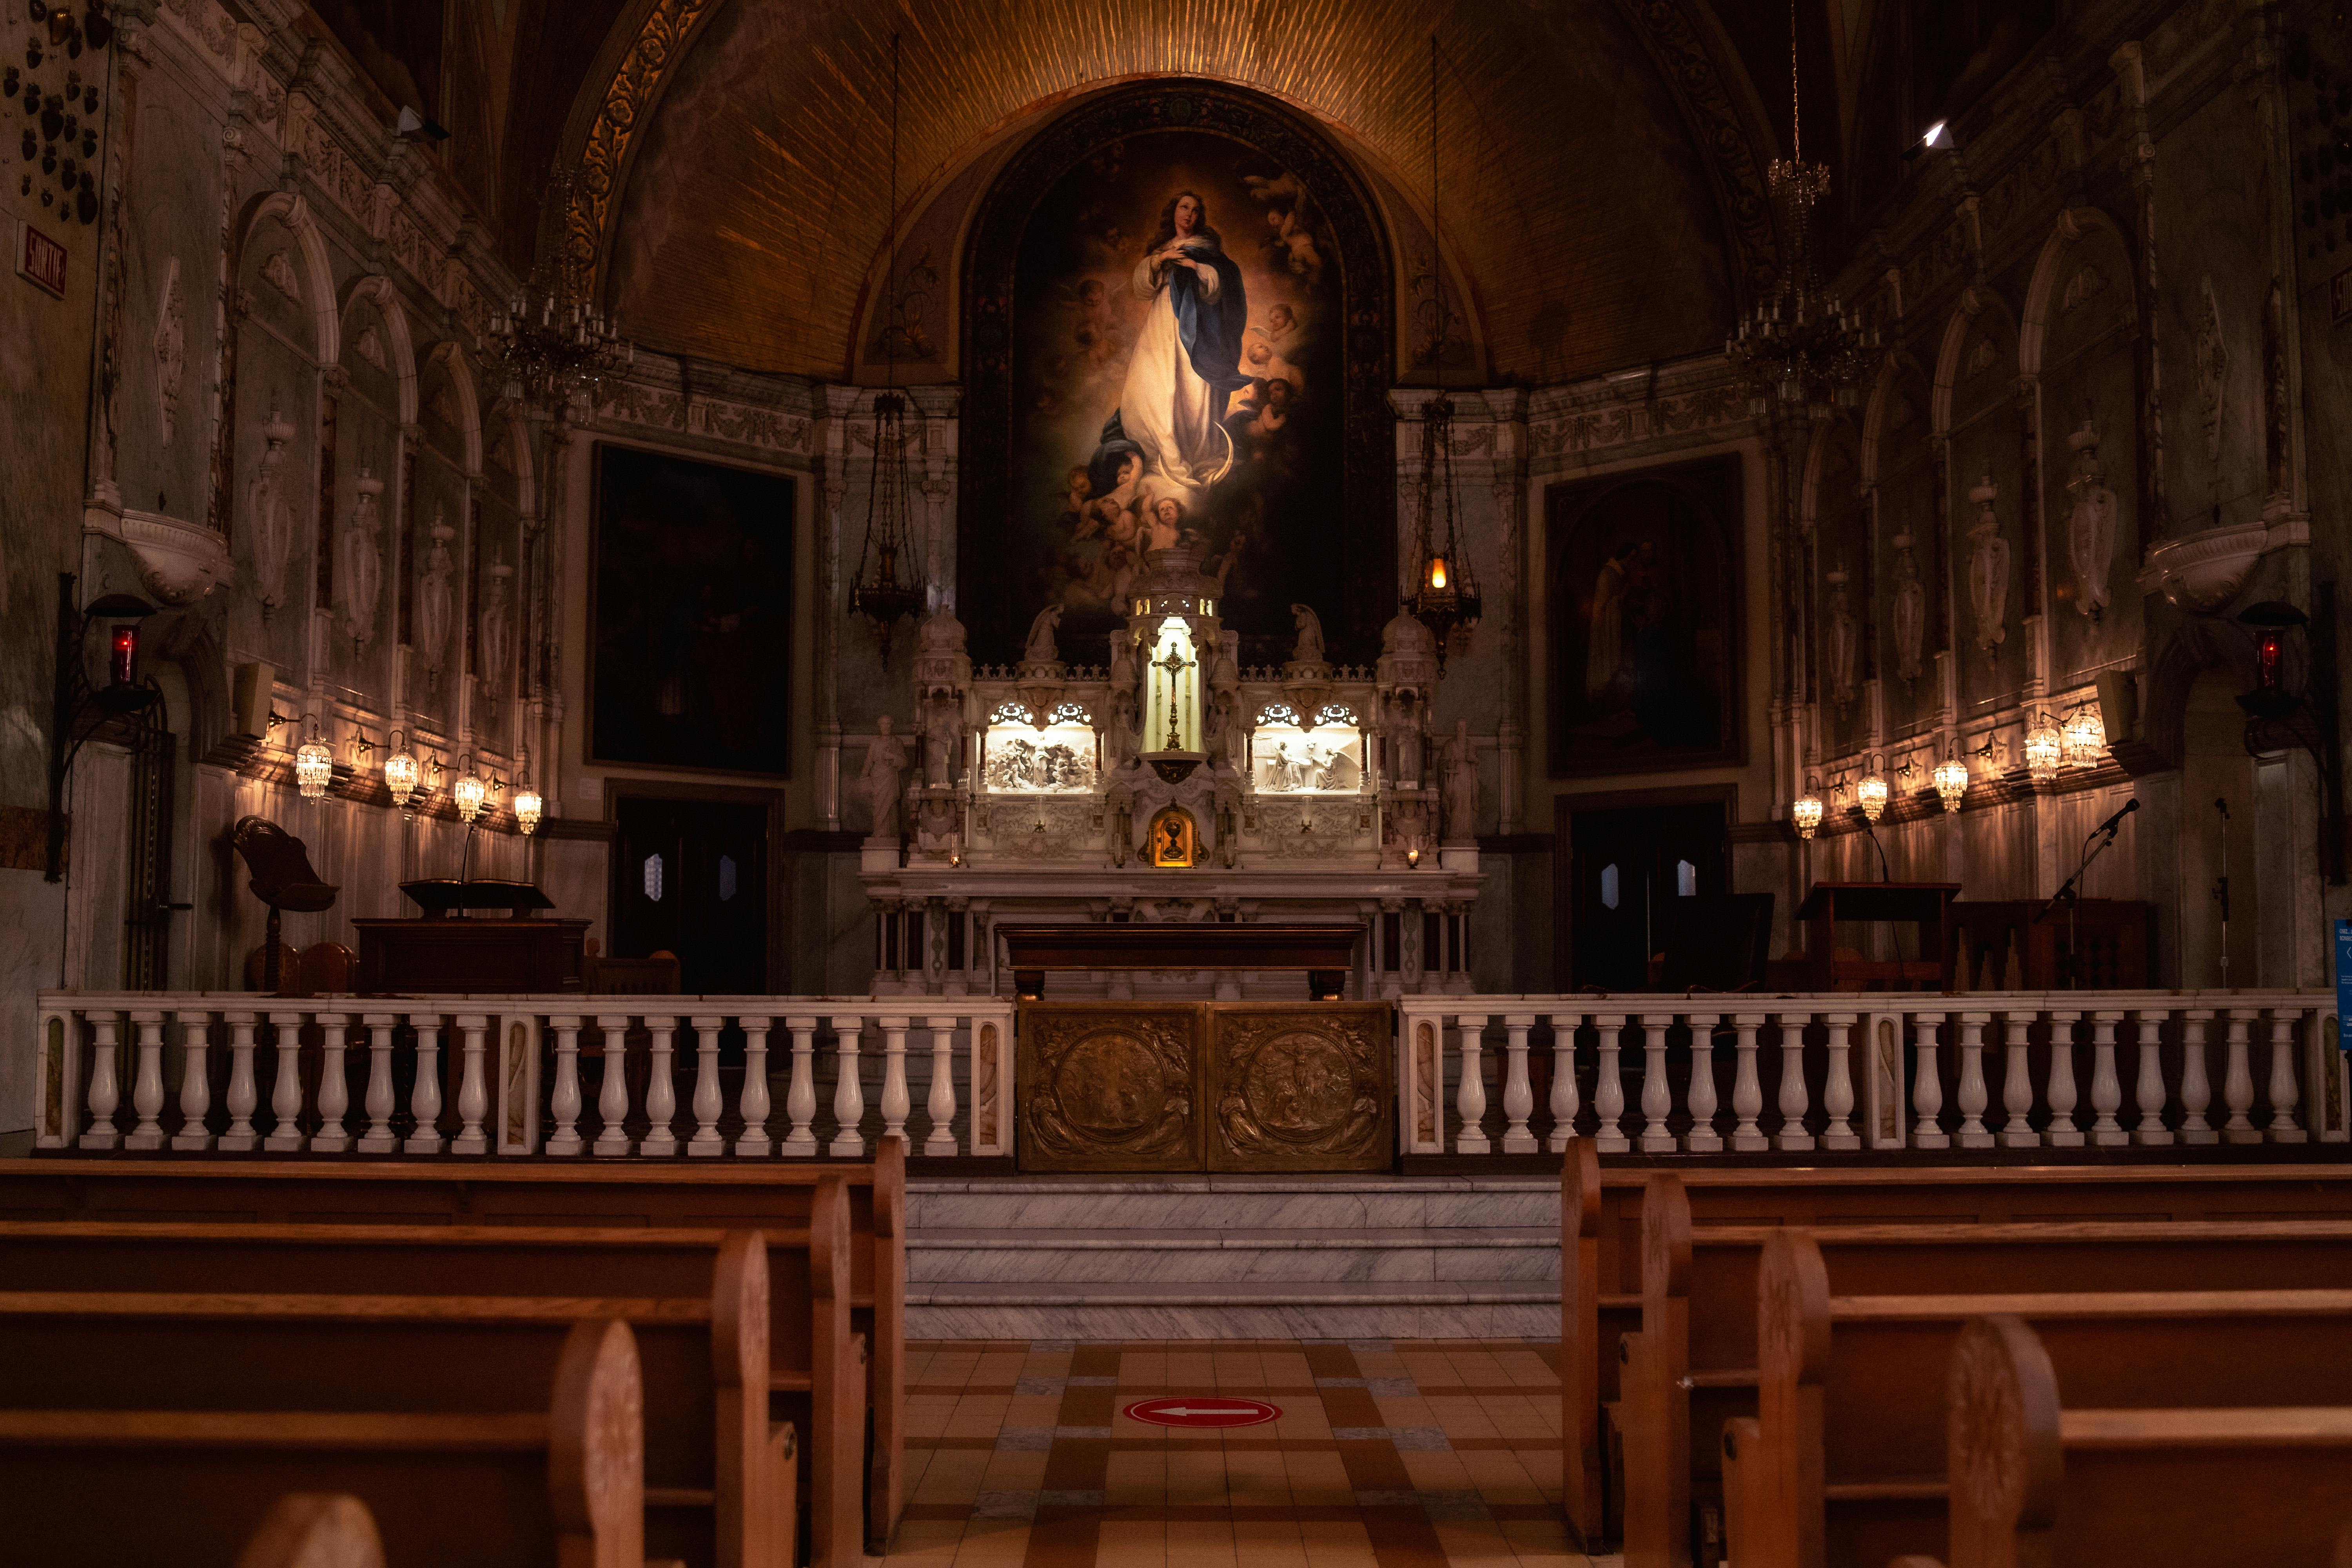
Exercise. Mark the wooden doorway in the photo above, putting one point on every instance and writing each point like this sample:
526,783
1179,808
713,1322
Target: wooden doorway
691,876
1628,853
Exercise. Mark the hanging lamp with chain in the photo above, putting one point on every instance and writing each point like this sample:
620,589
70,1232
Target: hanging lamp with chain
892,591
1445,597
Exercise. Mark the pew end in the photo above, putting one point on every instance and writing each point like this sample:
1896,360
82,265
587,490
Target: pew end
1583,1472
314,1529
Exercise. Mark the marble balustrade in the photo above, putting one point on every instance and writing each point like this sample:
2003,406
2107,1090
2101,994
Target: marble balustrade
1846,1072
592,1077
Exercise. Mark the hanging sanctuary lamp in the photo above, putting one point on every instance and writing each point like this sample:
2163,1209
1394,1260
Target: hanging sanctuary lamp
1445,596
883,597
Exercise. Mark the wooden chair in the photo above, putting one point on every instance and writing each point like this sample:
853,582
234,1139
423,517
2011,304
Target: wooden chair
771,1197
282,879
721,1480
314,1529
2040,1477
1846,1461
653,975
163,1445
326,968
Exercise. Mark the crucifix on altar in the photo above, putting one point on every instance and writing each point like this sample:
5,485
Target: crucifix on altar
1174,677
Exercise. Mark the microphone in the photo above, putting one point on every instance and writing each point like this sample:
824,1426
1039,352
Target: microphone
2110,826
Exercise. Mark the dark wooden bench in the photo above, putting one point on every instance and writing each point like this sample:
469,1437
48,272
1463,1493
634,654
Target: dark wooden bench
723,1470
166,1444
311,1529
769,1196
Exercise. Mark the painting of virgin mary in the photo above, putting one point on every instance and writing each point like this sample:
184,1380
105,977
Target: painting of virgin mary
1187,362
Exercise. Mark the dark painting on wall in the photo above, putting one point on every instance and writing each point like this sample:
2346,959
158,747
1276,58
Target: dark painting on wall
1644,620
1178,275
692,614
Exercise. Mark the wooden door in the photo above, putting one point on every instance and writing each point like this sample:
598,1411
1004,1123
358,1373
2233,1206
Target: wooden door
690,877
1624,863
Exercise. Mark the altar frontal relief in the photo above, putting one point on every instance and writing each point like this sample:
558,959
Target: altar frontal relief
1177,369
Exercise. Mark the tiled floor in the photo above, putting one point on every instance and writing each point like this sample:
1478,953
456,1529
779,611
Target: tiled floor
1405,1454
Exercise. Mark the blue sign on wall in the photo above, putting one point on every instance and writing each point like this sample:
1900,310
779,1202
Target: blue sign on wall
2344,985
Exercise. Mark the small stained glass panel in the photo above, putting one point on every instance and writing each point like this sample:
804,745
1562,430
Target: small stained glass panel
726,878
1608,887
1686,879
654,877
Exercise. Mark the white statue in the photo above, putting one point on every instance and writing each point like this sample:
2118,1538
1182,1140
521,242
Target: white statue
1461,786
1118,740
2091,526
1122,661
434,599
1225,671
1225,742
270,517
360,569
1404,742
942,739
497,633
934,826
1041,648
1910,610
1987,569
1310,646
885,765
1844,641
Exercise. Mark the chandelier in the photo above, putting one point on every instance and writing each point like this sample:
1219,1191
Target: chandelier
1444,592
882,597
1805,812
1802,345
1951,777
555,344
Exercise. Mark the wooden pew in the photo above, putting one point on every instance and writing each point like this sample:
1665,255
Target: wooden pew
119,1475
1601,1247
2037,1479
1845,1462
720,1481
662,1194
314,1529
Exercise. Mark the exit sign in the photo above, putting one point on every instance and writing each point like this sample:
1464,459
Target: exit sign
40,259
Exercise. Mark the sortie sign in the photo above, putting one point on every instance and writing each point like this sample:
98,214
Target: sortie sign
1201,1410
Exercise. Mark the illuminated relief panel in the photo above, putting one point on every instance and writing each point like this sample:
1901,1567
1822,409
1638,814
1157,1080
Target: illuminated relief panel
1288,757
1020,757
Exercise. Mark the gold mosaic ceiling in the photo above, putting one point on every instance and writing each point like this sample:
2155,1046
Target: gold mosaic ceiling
1573,192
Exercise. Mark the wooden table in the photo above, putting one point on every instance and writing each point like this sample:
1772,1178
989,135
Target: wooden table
1920,904
443,957
1326,952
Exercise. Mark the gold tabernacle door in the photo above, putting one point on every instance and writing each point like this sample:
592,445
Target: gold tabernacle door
1206,1085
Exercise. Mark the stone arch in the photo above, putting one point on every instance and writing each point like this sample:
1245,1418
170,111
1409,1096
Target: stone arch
1899,371
1951,370
2042,294
508,417
378,290
449,359
318,276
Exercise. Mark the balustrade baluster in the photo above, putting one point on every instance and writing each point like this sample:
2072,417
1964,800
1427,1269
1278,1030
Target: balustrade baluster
848,1094
2196,1087
2059,1093
1563,1079
473,1085
334,1085
2283,1092
1702,1138
1470,1092
753,1141
105,1084
1795,1100
660,1141
2106,1087
1837,1095
195,1083
895,1102
1657,1099
2238,1082
425,1097
564,1101
286,1083
1518,1092
612,1092
2017,1083
1609,1086
1926,1085
147,1083
939,1105
1972,1096
799,1098
1747,1087
378,1138
242,1095
2148,1093
706,1141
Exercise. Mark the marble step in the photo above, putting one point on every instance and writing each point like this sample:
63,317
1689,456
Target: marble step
1190,1310
1321,1203
947,1257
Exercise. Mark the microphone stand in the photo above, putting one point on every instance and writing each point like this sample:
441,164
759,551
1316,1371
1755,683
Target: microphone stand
1871,828
2075,900
465,879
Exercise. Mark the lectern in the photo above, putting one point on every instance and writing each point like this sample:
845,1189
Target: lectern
441,954
1920,904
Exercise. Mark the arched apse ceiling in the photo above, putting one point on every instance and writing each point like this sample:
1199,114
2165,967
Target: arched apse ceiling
1574,193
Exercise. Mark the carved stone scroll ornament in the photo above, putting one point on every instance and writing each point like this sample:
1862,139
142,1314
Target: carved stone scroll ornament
435,599
2090,524
1987,569
359,566
268,518
171,349
2212,362
1908,610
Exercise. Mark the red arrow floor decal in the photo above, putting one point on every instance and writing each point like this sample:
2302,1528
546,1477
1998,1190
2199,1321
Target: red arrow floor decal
1202,1410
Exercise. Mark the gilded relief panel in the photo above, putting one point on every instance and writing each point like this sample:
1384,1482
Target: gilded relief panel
1110,1086
1300,1087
